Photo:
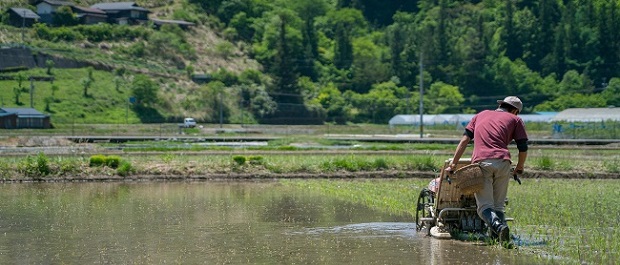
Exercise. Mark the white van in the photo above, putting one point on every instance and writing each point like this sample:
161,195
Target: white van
189,123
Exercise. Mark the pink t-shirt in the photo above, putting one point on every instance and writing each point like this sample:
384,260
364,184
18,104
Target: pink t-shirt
493,131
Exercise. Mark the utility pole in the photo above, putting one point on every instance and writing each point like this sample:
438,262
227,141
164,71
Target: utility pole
421,96
221,111
31,92
23,26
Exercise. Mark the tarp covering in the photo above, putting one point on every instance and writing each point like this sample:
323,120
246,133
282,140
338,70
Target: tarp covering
588,115
459,119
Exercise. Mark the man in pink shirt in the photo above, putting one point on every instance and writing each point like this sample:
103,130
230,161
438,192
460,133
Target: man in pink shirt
492,131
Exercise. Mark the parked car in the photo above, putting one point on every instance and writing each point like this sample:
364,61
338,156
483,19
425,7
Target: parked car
189,123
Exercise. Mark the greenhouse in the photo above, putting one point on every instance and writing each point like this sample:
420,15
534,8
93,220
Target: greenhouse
459,119
588,115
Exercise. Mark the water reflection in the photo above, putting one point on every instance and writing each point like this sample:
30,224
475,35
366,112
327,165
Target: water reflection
211,223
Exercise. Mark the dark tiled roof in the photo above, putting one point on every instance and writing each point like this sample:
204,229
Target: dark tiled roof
89,10
25,12
56,3
22,111
119,6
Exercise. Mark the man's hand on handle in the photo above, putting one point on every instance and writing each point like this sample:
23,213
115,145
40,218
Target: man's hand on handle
515,174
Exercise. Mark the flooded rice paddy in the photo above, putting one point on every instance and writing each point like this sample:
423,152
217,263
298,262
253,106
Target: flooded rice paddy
213,223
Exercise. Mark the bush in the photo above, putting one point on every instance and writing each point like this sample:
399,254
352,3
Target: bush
97,160
125,169
255,160
68,166
113,161
43,167
239,160
35,168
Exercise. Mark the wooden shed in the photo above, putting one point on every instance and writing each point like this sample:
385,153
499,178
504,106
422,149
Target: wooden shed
23,118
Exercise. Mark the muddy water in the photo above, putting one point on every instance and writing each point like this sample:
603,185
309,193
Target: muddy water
212,223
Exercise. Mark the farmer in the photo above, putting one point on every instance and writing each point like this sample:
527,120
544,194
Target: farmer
492,131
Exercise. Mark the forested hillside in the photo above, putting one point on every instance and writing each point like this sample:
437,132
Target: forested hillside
361,60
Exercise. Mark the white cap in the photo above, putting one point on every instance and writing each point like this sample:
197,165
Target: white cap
512,101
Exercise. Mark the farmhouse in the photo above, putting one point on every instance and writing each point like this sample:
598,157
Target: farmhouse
89,16
124,13
47,8
21,118
22,17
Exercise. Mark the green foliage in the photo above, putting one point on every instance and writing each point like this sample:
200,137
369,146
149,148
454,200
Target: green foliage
380,163
255,160
424,163
42,165
544,163
97,160
239,160
64,16
144,89
113,161
35,167
125,169
553,55
444,98
612,166
4,170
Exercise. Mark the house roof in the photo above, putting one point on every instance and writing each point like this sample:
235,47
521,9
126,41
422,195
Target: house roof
25,12
7,114
89,10
56,3
23,112
116,6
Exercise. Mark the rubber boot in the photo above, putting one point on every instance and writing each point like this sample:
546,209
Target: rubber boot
498,229
505,232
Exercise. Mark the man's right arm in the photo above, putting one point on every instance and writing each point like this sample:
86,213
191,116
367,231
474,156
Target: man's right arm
522,146
460,149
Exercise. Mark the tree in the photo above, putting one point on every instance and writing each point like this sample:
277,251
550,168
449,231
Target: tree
144,89
367,67
118,81
48,101
49,64
333,104
308,10
64,16
400,36
612,92
348,23
54,88
16,92
86,84
444,98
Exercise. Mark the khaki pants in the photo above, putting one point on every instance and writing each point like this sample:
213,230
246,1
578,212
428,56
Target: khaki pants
496,174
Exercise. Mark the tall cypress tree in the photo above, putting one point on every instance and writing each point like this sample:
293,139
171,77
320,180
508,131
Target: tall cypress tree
343,53
609,38
514,48
285,70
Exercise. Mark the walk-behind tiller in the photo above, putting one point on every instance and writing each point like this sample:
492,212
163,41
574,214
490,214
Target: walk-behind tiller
448,206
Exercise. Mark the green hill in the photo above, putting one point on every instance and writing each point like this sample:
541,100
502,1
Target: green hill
315,61
169,56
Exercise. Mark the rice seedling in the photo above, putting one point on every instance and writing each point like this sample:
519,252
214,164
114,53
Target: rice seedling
566,221
544,163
